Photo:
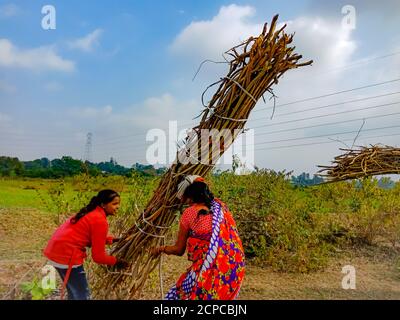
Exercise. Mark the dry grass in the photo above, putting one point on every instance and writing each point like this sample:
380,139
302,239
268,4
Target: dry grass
24,232
376,278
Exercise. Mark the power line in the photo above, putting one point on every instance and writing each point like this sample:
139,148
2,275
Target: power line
333,105
53,139
314,143
303,119
136,146
327,115
295,139
360,62
329,123
329,94
313,98
325,142
308,127
325,135
297,101
321,143
314,117
56,140
278,106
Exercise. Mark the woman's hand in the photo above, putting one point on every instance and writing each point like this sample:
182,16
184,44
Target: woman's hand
114,240
156,251
121,264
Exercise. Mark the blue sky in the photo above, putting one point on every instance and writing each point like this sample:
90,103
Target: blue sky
118,69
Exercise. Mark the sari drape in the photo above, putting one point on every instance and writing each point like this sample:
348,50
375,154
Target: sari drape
218,264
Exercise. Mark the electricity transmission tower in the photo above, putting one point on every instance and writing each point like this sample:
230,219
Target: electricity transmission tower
88,148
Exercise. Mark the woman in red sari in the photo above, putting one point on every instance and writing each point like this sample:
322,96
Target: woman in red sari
208,232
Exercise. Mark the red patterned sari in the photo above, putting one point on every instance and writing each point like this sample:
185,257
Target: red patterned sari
218,264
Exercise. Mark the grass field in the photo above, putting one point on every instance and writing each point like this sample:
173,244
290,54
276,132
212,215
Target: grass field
21,193
26,223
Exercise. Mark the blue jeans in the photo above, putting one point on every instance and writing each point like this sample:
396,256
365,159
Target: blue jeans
77,286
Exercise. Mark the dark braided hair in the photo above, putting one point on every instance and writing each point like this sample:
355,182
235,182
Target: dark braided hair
103,197
200,193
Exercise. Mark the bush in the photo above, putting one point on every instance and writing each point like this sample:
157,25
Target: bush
297,229
274,220
290,228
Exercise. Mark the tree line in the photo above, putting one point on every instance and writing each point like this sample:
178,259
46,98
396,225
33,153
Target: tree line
67,166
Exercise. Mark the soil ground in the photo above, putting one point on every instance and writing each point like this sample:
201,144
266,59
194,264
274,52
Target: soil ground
24,233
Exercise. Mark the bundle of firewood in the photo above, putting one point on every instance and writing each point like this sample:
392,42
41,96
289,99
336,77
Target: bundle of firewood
363,162
255,66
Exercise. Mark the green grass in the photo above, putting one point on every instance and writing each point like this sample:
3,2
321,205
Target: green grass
24,193
29,193
19,193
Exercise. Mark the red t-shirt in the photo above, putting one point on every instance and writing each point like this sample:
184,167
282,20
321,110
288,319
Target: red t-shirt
68,243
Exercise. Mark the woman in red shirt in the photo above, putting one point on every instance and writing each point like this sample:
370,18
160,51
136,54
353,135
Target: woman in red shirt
66,249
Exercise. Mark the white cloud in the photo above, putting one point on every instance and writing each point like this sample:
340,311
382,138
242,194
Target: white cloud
153,112
9,10
39,59
87,43
157,111
209,39
325,41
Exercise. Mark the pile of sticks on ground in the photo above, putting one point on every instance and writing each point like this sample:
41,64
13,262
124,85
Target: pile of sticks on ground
363,162
254,66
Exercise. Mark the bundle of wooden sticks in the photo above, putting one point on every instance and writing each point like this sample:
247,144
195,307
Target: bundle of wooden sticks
363,162
254,67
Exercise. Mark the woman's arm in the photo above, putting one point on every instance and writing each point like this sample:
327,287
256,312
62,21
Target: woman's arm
98,238
180,245
111,240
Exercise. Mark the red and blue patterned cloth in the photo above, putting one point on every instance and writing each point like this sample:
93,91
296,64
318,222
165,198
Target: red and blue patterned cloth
218,264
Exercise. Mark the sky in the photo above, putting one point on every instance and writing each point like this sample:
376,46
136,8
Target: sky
117,69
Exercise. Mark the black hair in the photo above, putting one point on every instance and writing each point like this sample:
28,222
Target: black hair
200,193
103,197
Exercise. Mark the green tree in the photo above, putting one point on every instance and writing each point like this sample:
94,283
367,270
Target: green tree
10,167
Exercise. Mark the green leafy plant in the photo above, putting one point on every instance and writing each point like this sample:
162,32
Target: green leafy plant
35,290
